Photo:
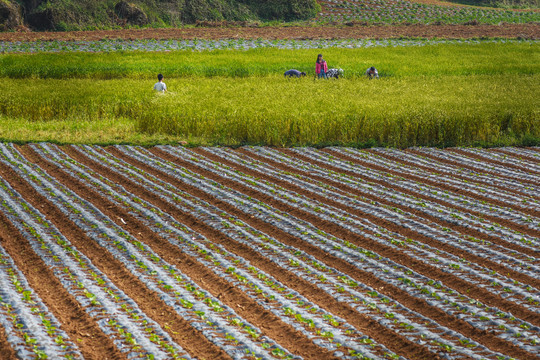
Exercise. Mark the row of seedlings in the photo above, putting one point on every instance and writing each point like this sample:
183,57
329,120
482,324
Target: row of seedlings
420,205
499,192
453,262
118,316
204,312
435,257
439,171
32,331
324,328
294,228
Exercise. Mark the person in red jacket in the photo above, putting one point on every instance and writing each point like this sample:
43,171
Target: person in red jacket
320,67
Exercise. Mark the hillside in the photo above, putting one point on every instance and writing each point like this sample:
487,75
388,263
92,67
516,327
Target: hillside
95,14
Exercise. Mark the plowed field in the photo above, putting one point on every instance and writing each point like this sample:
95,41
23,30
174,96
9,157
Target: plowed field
214,253
530,31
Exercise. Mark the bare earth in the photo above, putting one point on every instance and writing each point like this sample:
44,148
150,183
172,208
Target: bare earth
528,31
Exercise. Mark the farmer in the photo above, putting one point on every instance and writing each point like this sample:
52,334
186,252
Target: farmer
295,73
320,67
160,85
372,73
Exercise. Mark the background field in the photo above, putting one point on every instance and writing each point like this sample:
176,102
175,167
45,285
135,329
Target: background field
69,15
437,95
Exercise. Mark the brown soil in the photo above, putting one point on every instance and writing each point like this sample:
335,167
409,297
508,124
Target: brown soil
148,301
270,324
250,309
517,156
6,351
365,277
528,31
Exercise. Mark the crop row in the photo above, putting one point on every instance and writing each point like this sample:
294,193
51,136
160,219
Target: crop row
230,44
402,11
356,254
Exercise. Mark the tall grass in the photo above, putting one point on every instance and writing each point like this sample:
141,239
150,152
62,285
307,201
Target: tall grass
400,112
443,95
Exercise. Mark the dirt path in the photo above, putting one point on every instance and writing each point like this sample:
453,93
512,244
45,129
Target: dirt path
528,31
6,351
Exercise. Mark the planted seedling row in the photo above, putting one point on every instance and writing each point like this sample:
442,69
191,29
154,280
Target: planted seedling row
228,197
524,262
481,166
449,179
421,250
494,229
289,305
204,312
231,228
438,171
133,332
193,157
402,182
31,329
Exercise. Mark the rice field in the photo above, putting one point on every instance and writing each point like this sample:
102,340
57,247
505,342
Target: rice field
214,253
430,93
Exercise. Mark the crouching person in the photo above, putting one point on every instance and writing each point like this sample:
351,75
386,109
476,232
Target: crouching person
334,73
294,73
372,73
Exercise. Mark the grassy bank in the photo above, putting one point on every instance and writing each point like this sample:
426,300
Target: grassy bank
432,96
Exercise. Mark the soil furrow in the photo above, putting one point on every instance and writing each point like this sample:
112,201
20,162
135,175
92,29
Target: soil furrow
362,276
363,242
406,232
486,159
453,174
80,327
517,156
360,321
270,324
454,189
6,350
192,340
231,31
346,189
485,171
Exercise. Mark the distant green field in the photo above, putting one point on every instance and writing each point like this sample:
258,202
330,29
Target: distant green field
441,95
400,61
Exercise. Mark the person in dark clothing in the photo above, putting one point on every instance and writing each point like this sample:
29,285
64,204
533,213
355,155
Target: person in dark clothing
372,73
295,73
